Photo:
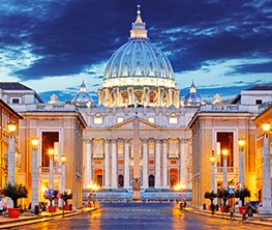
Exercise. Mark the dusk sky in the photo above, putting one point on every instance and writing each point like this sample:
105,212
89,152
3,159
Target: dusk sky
53,45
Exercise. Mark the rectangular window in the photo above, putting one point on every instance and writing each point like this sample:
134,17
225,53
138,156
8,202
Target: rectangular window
15,100
226,143
98,120
259,102
151,119
120,119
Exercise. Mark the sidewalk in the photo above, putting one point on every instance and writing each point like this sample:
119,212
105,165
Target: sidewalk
27,218
259,219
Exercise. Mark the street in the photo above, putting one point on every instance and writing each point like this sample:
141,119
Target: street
140,216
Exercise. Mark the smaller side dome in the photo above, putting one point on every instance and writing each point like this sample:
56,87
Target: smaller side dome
193,98
83,99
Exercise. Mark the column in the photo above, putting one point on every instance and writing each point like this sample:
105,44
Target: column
225,173
164,164
182,160
126,176
11,160
158,165
51,172
35,180
145,164
266,177
242,168
107,164
89,176
212,177
113,165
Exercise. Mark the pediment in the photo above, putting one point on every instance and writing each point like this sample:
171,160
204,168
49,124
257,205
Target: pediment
129,124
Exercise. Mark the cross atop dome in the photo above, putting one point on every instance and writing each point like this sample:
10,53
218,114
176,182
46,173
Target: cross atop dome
138,27
139,18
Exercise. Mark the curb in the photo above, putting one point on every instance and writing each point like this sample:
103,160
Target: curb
38,219
234,218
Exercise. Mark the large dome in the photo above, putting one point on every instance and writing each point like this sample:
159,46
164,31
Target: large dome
138,62
139,74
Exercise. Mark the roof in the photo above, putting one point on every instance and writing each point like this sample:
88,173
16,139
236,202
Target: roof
18,86
13,86
261,87
7,107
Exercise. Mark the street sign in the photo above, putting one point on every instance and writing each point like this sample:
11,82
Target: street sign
231,190
239,185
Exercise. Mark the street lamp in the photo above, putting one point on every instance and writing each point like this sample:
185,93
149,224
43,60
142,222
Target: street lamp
51,169
212,160
93,188
179,187
225,169
63,161
266,170
241,143
35,180
11,153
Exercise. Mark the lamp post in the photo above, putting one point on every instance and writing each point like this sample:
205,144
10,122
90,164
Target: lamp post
11,153
63,161
241,143
212,160
225,169
179,187
93,189
266,170
35,181
51,168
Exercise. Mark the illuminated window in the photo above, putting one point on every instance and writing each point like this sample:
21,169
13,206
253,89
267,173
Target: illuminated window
173,119
151,119
98,119
120,119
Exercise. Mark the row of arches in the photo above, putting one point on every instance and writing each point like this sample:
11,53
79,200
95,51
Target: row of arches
173,176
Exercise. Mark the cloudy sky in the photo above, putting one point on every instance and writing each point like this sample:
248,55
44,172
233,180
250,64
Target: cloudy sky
53,45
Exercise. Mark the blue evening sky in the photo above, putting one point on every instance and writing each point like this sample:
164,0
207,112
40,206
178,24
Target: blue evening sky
53,45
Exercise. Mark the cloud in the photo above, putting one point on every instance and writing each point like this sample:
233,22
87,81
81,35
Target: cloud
61,39
255,68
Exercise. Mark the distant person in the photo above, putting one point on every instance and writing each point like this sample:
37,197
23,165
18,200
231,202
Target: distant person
212,207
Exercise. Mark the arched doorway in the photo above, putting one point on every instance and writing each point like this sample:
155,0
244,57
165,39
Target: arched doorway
151,181
120,181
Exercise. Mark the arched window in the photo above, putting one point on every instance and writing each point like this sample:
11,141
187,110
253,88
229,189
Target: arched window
120,181
151,181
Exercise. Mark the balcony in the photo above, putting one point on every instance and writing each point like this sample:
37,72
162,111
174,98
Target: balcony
45,170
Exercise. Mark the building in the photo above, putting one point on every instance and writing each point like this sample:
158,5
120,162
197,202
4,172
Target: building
219,127
8,116
176,135
57,126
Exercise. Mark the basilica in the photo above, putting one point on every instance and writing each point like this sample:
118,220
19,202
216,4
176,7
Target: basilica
177,135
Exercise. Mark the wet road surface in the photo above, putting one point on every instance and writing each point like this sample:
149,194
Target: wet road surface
142,216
